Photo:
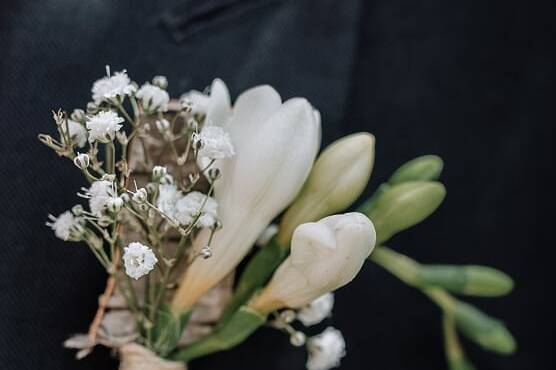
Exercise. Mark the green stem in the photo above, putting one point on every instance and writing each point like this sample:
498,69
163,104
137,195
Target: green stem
110,157
257,273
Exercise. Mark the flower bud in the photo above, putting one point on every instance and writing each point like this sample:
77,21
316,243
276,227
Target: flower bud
469,280
404,205
92,108
489,333
78,115
162,125
114,205
140,196
77,210
325,256
159,172
160,81
424,168
81,161
337,178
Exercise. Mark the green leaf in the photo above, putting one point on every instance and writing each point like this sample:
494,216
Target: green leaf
255,275
167,330
239,327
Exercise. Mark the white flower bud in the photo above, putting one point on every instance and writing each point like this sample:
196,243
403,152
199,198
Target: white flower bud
78,115
140,196
159,172
162,125
160,81
325,256
77,210
81,161
297,339
339,176
114,205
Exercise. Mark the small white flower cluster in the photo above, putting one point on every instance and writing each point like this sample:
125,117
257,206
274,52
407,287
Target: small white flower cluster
326,350
103,126
101,195
153,98
112,88
317,310
139,260
215,143
185,209
66,226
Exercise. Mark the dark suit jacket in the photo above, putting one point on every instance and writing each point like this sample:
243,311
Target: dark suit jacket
467,80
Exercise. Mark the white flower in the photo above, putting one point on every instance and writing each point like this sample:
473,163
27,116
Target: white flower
103,126
168,195
317,310
139,260
153,98
325,256
100,193
215,143
326,350
275,145
267,234
77,132
113,87
66,226
189,206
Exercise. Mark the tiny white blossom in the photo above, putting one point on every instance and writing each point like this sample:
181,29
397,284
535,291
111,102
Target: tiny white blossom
198,101
103,126
317,310
189,206
100,194
215,143
266,235
153,98
159,172
82,160
326,350
168,195
65,226
77,133
112,87
139,260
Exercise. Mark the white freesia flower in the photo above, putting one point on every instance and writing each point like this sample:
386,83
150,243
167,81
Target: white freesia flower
100,193
66,226
77,133
326,350
189,206
139,260
103,126
112,87
215,143
317,310
325,256
153,98
275,145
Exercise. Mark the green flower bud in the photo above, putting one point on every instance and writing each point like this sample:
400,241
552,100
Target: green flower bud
424,168
404,205
338,177
489,333
469,280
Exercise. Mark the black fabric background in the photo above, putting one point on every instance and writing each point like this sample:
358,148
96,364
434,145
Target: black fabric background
471,81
